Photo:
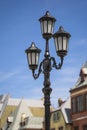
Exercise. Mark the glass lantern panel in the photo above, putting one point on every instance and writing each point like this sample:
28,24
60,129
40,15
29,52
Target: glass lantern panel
33,58
56,43
45,27
29,58
37,58
67,42
41,24
64,43
50,30
60,43
53,27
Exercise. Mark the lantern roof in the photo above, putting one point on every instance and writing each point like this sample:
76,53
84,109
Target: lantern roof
62,32
47,16
32,48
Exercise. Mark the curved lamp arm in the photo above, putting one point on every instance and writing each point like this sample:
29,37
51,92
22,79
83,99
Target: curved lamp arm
55,64
39,71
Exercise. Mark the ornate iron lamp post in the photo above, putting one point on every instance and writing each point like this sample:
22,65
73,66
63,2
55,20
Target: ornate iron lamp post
61,39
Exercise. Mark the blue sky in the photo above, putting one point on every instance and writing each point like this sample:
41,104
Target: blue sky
19,26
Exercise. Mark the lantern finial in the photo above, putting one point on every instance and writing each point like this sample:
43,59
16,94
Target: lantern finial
47,14
61,28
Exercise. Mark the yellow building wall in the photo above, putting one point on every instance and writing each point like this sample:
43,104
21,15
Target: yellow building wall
68,127
59,123
8,110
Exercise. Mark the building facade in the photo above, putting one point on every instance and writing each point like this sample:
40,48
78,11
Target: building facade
79,101
61,117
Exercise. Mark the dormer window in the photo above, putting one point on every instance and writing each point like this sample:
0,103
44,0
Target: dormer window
24,119
9,121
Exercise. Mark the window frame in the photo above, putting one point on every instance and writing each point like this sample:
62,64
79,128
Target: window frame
56,116
73,105
79,103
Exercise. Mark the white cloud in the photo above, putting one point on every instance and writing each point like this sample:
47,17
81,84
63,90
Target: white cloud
6,75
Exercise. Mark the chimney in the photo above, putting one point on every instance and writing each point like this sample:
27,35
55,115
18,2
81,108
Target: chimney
60,102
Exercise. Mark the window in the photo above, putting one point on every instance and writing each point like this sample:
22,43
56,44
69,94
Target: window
56,116
76,128
60,128
85,101
24,119
73,105
80,103
85,127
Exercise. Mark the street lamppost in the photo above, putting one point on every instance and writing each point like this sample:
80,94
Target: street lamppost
61,38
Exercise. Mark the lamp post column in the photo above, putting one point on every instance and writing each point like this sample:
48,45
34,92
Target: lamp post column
47,91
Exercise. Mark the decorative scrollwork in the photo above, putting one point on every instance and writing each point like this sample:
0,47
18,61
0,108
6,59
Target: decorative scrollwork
55,64
46,66
39,71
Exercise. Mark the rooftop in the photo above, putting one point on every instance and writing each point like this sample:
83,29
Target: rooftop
30,102
65,109
82,80
22,113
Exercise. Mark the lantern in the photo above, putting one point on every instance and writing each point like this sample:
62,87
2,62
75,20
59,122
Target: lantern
47,25
33,56
61,39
